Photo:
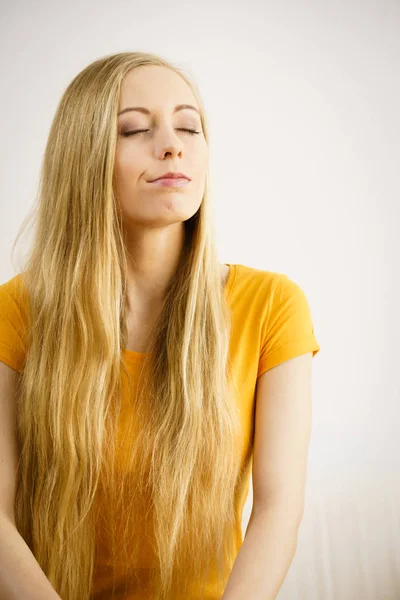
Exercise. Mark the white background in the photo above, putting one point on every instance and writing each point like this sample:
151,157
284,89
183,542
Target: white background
303,103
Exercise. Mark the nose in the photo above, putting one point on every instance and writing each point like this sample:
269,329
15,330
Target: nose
171,146
169,151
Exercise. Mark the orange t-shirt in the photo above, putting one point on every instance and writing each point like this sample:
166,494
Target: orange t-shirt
271,323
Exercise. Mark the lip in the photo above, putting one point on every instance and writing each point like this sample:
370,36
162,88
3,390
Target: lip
171,175
170,182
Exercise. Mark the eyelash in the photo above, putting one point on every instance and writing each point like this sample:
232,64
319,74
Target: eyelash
129,133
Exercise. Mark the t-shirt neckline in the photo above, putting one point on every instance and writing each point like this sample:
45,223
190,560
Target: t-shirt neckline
133,355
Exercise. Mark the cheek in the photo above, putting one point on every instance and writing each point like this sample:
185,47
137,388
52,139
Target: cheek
127,169
204,157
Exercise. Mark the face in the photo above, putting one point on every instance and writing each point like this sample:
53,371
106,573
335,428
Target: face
163,145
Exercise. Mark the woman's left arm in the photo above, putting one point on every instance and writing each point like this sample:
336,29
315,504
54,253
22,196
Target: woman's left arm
281,441
264,557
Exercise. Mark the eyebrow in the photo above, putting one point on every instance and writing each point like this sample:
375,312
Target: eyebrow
145,111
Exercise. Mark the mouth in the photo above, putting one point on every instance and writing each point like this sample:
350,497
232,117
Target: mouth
171,175
170,182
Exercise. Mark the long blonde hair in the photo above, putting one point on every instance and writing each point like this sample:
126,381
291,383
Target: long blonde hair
185,453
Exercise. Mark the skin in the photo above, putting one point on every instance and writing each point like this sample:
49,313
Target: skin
154,216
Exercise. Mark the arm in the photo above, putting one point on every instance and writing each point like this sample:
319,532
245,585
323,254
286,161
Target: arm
20,574
264,557
281,440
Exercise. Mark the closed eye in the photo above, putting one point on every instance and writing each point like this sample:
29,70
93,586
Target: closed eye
128,133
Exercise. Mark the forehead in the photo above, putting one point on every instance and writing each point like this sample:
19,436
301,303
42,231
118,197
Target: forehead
154,87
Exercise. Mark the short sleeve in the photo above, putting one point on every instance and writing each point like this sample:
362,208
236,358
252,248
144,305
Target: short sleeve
289,329
12,324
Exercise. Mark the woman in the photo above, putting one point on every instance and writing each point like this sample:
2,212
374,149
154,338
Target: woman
129,482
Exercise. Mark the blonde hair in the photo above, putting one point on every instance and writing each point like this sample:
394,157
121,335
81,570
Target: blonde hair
185,453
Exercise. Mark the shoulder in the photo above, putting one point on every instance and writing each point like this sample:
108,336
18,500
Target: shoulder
12,289
13,322
261,281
